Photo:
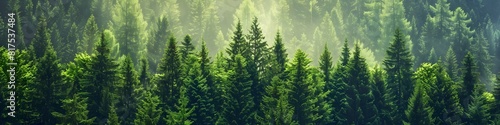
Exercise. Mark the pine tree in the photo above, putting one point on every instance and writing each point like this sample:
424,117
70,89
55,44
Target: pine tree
359,96
239,105
148,110
419,112
444,98
300,90
130,28
198,93
113,118
398,65
393,18
90,35
127,100
275,104
462,34
187,47
339,86
477,112
75,111
495,109
383,99
469,80
238,46
156,45
42,38
279,54
181,113
169,83
437,28
144,77
102,71
451,66
70,47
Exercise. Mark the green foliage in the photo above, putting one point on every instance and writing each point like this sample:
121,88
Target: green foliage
75,111
157,44
398,65
383,98
275,104
239,101
127,91
451,66
169,85
469,80
238,46
90,35
148,110
112,116
419,112
444,98
477,112
301,93
181,113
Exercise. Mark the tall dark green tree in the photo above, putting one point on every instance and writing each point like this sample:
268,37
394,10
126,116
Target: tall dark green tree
144,75
103,71
398,65
128,96
180,114
148,110
157,44
359,96
419,112
451,66
198,93
187,47
90,35
444,98
301,89
42,38
478,110
279,53
339,86
75,111
239,105
169,83
383,99
238,46
469,80
275,106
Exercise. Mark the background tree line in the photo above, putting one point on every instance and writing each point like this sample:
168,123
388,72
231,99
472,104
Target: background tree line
279,62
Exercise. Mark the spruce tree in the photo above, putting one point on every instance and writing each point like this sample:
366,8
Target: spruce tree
451,66
128,96
102,71
239,101
398,65
187,47
339,86
275,104
279,53
238,46
181,113
90,35
301,89
444,98
157,44
359,96
469,80
383,99
113,118
75,111
198,93
478,110
148,110
170,81
144,76
419,112
462,34
42,38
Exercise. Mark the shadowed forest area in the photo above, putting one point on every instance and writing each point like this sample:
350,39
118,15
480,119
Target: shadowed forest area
235,62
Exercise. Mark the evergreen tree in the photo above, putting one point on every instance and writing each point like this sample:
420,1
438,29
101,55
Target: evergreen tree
437,28
419,112
75,111
70,47
300,89
148,110
238,46
359,96
462,34
239,101
339,86
275,104
383,99
169,83
187,47
279,53
102,71
198,93
451,66
181,113
469,80
127,100
398,65
393,18
157,44
477,112
496,92
42,38
323,109
444,98
144,76
113,118
90,35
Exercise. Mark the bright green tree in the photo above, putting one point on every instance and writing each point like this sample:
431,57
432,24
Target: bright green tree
478,110
170,82
181,113
301,89
451,66
113,118
419,112
239,105
90,35
398,65
75,111
148,110
275,104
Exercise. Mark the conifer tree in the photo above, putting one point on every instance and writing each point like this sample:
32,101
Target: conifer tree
198,93
127,100
275,104
359,96
157,44
181,113
469,80
437,28
239,105
462,34
144,76
398,65
90,35
279,52
419,112
393,18
187,47
477,112
42,38
148,110
383,99
444,98
75,111
170,82
103,70
451,66
113,118
339,86
238,46
300,89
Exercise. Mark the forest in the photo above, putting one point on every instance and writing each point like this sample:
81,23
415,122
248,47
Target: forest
250,62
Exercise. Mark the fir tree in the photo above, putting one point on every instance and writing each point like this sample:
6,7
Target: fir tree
157,43
462,34
469,80
451,66
444,98
477,112
144,77
181,113
275,104
75,111
339,86
300,89
383,99
359,96
90,35
42,38
113,118
187,47
238,46
419,112
170,82
398,65
148,110
127,92
279,52
239,104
